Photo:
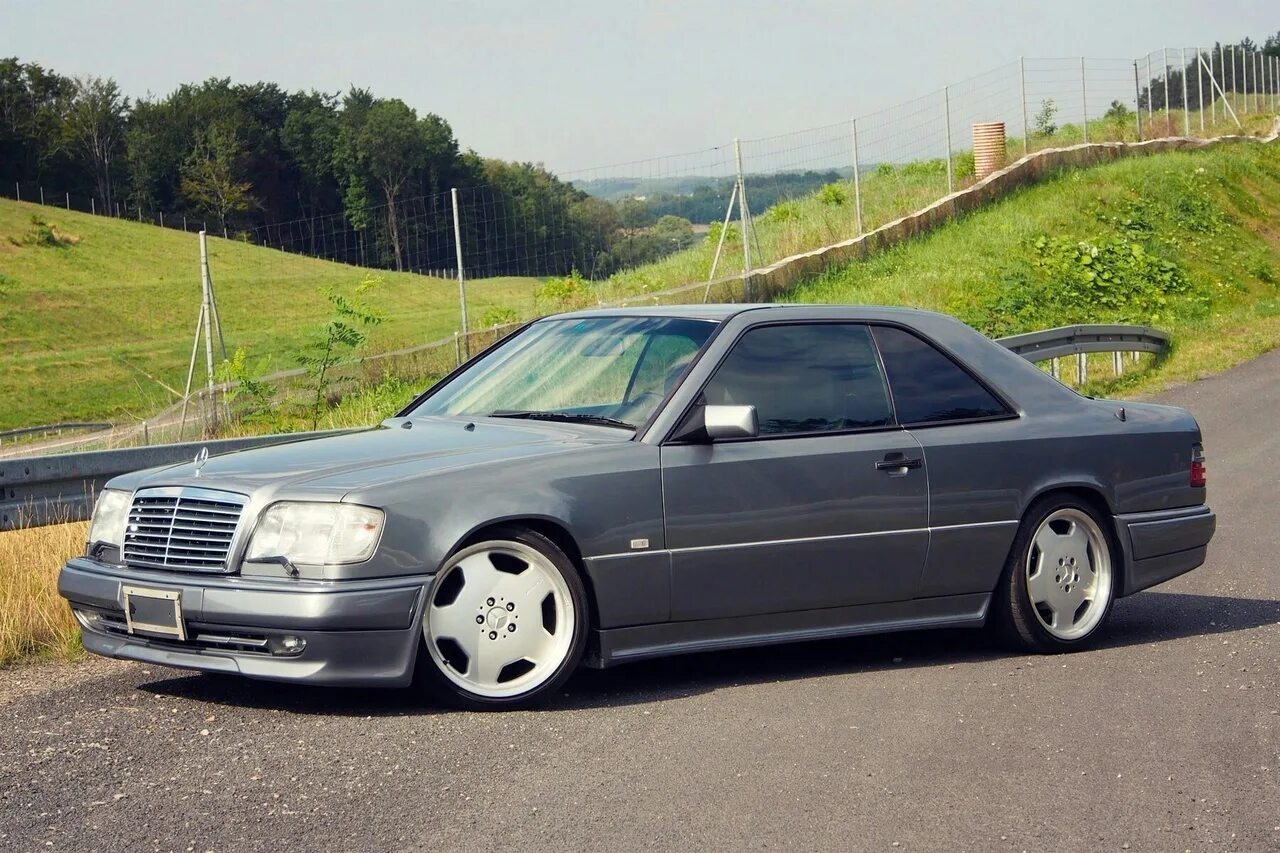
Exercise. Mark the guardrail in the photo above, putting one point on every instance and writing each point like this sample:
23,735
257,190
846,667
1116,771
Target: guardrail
44,490
36,430
1075,340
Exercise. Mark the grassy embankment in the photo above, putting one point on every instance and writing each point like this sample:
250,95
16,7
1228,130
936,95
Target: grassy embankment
1186,242
96,326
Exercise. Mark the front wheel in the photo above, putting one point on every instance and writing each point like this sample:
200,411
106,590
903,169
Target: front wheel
505,623
1059,584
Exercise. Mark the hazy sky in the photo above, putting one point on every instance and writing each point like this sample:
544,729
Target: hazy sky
582,84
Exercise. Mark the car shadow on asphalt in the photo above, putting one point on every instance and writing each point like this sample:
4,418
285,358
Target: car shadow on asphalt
1151,617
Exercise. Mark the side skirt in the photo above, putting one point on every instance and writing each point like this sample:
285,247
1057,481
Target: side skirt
623,645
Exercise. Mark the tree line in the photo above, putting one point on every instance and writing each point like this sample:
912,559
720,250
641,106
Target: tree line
256,161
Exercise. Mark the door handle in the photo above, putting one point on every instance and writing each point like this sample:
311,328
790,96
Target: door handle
898,462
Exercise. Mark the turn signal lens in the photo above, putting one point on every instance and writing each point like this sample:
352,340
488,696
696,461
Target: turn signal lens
1197,474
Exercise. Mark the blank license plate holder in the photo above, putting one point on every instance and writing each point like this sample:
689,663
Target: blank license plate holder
154,611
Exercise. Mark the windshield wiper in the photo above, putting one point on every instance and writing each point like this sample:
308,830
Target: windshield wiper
566,417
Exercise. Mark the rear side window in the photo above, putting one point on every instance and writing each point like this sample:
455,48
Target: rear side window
822,377
928,386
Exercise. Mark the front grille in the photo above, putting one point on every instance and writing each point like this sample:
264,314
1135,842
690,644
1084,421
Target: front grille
182,529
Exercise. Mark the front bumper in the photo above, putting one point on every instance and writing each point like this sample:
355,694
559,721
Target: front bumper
1161,545
361,633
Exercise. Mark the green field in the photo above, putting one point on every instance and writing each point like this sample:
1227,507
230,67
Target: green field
96,328
1186,242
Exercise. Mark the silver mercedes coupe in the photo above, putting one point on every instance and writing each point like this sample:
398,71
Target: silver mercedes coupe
613,485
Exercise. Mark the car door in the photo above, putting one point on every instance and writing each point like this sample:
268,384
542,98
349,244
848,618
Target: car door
815,511
979,462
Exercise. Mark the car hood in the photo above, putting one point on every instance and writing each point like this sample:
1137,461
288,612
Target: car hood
397,449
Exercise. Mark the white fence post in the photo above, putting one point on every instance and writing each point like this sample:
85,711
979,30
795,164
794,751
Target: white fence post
1084,103
1168,112
743,222
857,179
1213,101
1137,100
1151,95
1186,108
1022,79
1200,89
462,282
206,310
946,109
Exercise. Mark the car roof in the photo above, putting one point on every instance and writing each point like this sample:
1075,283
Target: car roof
720,312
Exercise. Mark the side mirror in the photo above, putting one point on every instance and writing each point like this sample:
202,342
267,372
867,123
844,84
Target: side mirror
730,422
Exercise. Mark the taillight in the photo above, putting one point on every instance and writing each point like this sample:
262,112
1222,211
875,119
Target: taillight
1197,468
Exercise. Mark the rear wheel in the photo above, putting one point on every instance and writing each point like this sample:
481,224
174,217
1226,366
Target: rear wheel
1059,584
505,623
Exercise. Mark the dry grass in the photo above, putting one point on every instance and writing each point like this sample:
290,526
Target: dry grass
34,620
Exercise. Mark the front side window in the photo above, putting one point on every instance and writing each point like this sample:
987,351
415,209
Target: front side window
805,378
928,387
603,368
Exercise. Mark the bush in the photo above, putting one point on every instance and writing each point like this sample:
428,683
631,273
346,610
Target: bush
46,234
498,315
713,234
783,211
561,294
833,195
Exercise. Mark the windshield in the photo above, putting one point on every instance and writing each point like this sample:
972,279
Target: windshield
607,370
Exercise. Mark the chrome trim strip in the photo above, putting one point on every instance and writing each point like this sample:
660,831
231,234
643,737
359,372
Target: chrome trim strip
834,536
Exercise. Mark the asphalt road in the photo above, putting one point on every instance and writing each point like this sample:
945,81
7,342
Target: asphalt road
1165,737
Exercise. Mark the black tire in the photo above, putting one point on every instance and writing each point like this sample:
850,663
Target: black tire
1019,621
428,674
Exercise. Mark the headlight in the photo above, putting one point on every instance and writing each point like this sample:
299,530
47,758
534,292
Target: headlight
109,517
316,533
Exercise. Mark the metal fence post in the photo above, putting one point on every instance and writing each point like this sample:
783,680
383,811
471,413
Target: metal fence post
946,110
68,201
42,195
1022,77
743,222
1213,101
1151,95
1244,77
1084,102
462,285
857,179
1168,111
93,205
1137,100
1199,90
206,311
1186,107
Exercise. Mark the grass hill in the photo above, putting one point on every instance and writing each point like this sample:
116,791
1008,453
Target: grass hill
1187,242
97,314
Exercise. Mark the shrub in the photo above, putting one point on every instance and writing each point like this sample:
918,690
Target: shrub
783,211
46,234
713,234
833,195
498,315
1045,124
563,293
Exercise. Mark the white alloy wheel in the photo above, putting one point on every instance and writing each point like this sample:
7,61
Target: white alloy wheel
1068,572
501,621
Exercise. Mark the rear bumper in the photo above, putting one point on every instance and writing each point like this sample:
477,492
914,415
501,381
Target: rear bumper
352,632
1162,545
